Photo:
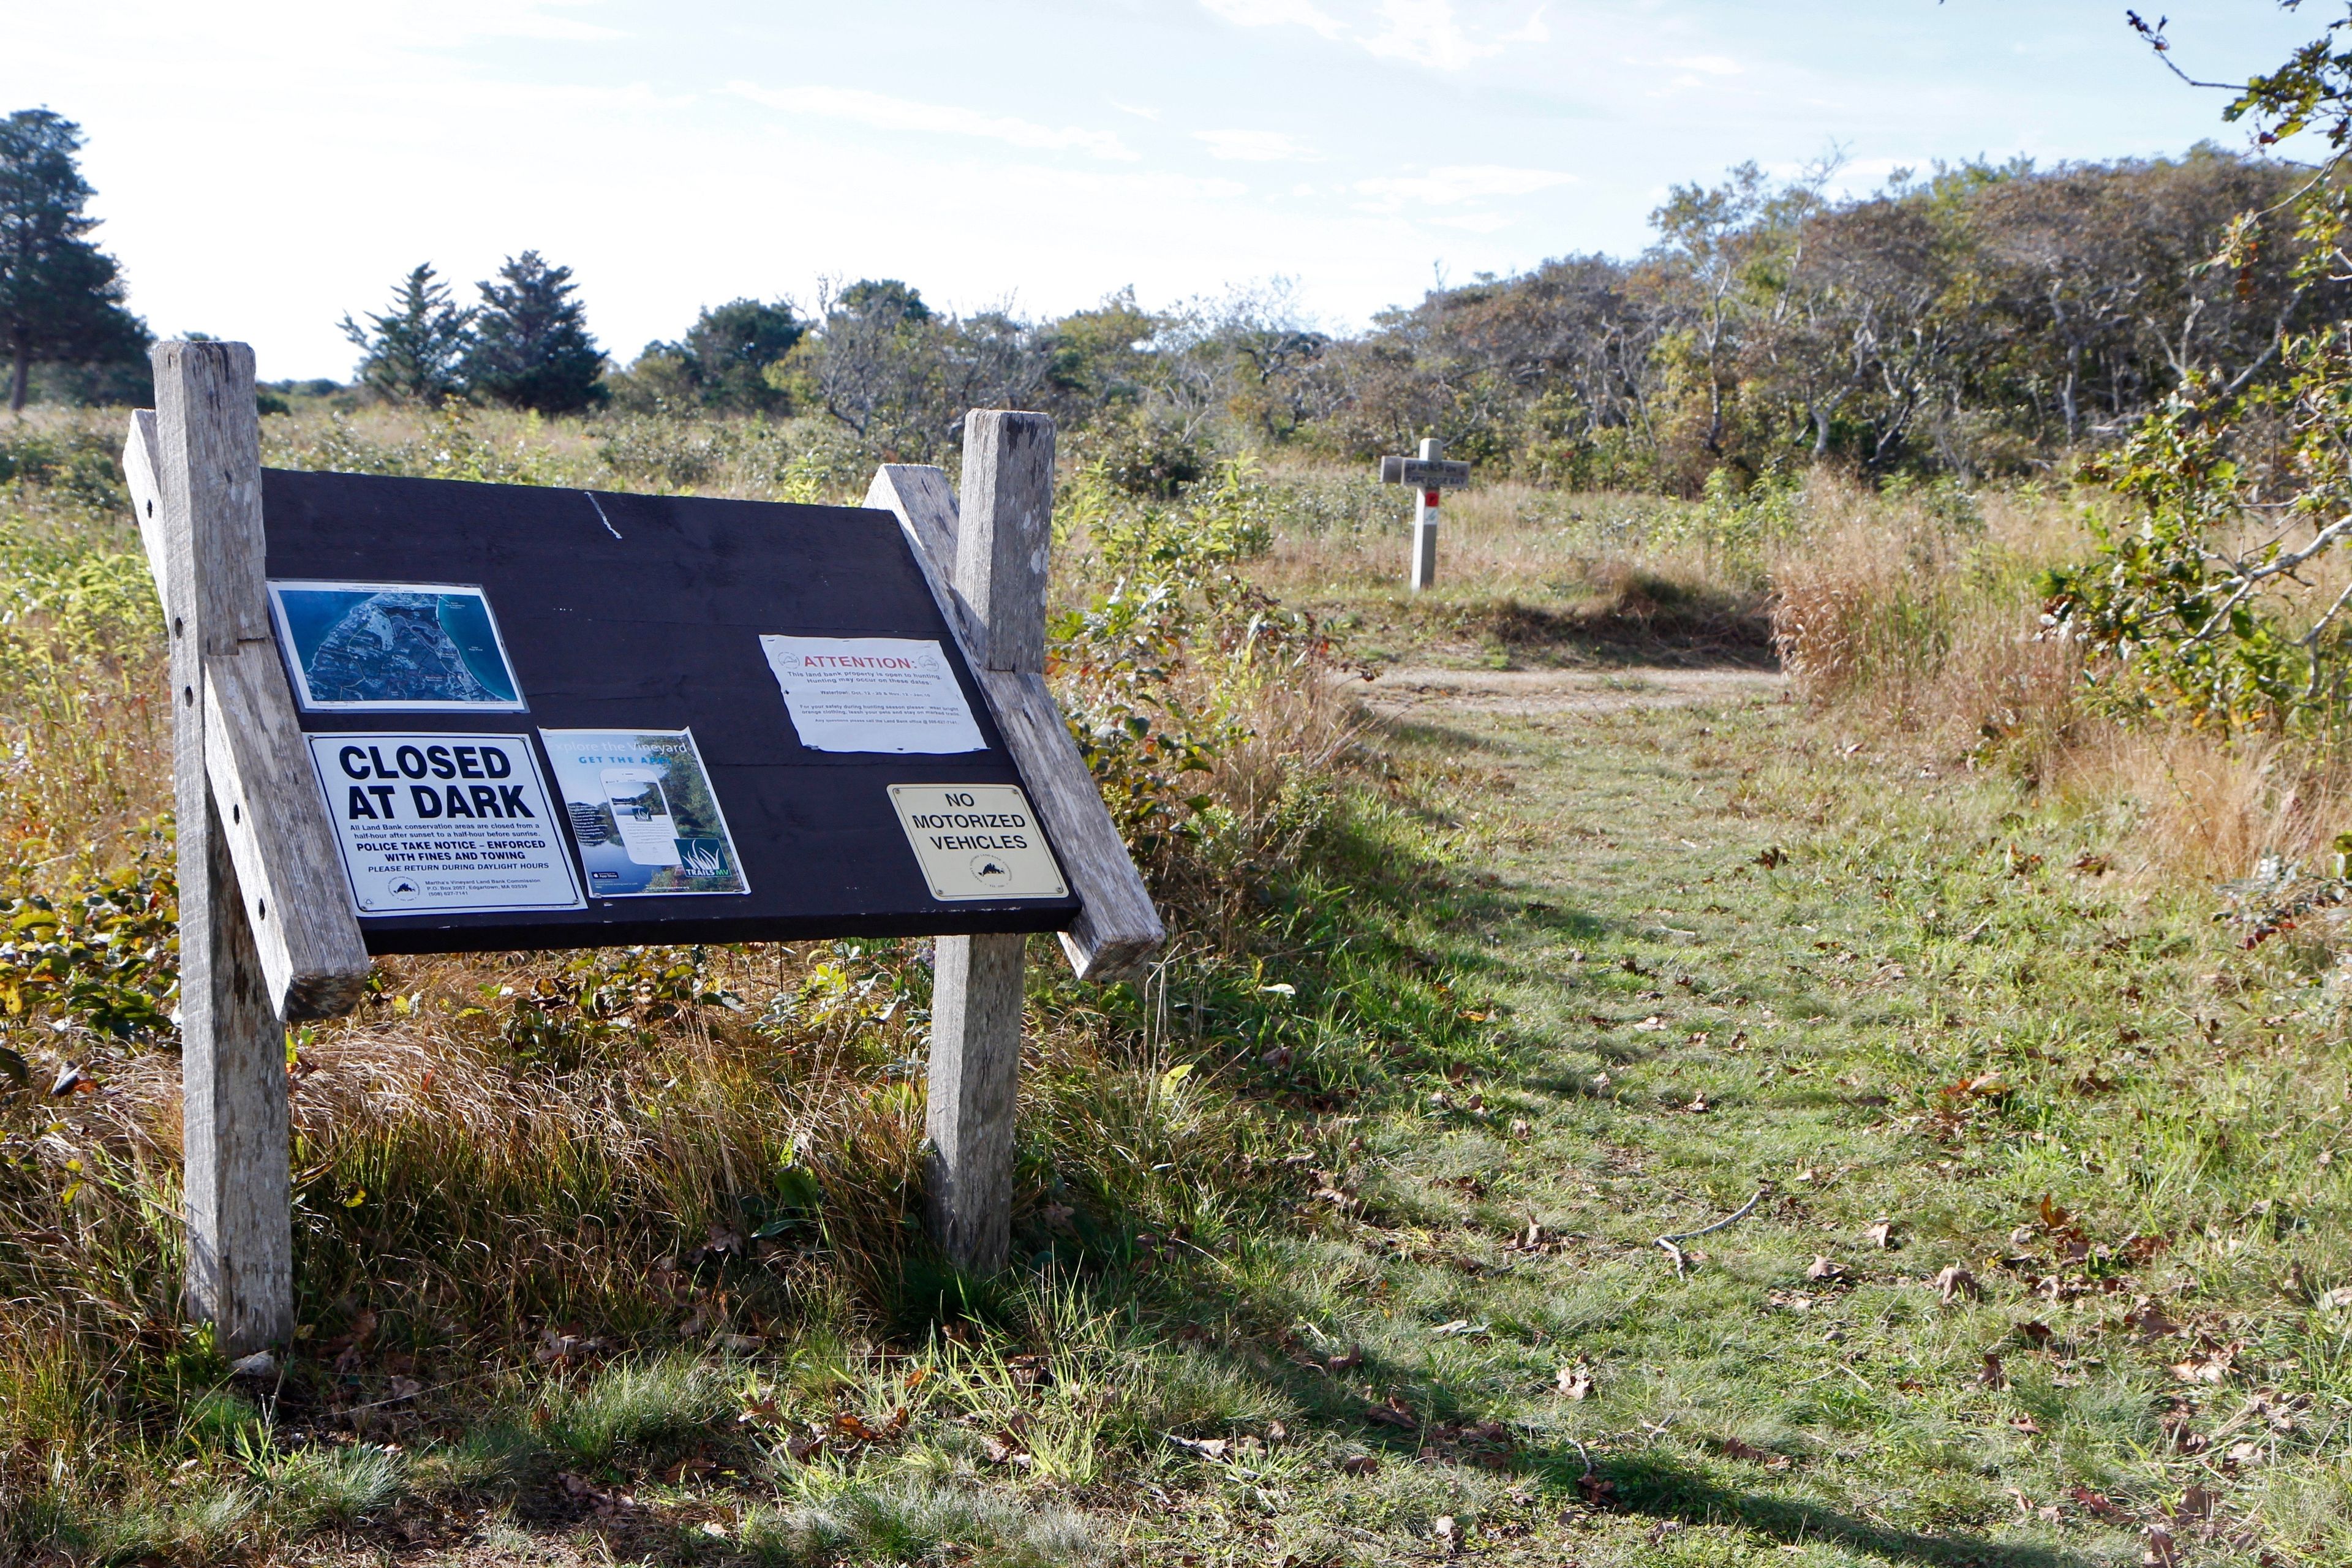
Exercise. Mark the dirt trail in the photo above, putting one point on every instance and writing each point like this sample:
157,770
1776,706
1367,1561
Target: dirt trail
1411,692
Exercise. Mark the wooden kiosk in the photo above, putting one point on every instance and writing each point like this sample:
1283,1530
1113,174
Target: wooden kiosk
418,716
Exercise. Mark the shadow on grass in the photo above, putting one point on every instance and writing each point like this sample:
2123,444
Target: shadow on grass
1642,619
1660,1488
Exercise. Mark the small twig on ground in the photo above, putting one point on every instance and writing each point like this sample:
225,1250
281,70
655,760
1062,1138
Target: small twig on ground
1675,1252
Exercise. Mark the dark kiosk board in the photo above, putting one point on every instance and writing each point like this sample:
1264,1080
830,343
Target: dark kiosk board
579,683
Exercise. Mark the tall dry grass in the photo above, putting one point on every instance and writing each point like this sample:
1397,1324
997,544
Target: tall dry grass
1892,619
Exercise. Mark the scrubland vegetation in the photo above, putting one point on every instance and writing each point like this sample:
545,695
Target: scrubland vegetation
1334,1236
1881,1107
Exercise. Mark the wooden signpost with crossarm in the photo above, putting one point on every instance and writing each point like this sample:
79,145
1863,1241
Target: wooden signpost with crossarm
1428,473
747,721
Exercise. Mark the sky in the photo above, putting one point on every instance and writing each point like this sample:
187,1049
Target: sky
265,166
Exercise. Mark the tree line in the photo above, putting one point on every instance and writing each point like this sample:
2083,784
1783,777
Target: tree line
1985,319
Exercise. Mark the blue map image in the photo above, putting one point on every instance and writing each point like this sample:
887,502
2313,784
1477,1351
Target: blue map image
396,647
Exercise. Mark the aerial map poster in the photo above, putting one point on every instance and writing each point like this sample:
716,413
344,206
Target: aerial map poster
393,647
643,812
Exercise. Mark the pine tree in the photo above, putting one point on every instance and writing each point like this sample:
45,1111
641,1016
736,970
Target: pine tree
532,346
60,295
413,352
730,348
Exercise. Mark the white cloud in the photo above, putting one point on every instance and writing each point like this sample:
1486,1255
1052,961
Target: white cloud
1477,223
530,19
1424,32
1428,32
884,113
1258,147
1460,183
1278,13
1710,65
1138,109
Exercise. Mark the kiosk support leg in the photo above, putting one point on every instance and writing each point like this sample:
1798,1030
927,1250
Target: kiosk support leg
232,1047
1002,539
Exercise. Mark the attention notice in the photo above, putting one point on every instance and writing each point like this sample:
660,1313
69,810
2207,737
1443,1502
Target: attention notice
872,694
444,824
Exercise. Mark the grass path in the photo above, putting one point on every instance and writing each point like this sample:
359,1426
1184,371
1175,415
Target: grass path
2045,1213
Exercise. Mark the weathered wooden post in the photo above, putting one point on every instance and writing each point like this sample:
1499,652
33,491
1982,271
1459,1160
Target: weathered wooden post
265,933
240,1261
1428,473
1003,539
989,571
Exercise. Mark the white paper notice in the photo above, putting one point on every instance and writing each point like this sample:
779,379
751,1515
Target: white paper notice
444,824
872,694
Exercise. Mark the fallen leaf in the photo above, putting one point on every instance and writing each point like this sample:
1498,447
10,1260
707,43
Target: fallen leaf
803,1446
1395,1413
1576,1380
1990,1374
1653,1022
2027,1425
1734,1449
2161,1553
1360,1464
2213,1366
688,1469
1955,1282
2036,1334
853,1427
405,1388
71,1080
1207,1448
2096,1502
1882,1235
2197,1502
1346,1361
1824,1267
1598,1489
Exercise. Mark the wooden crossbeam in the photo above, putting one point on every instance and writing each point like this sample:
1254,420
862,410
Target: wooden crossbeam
1119,927
314,961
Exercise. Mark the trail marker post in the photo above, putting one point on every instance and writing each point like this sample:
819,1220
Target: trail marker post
1429,474
526,634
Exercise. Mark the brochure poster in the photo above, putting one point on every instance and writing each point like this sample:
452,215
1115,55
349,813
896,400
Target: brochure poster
872,694
643,812
444,824
393,647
